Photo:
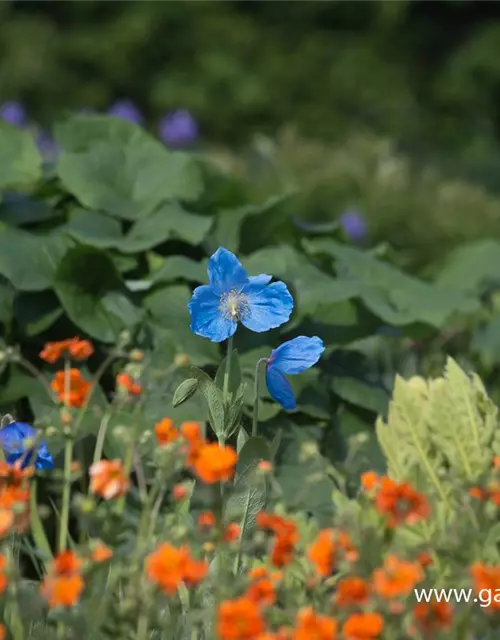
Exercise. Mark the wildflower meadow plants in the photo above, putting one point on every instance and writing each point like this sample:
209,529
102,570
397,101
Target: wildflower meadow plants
183,452
194,540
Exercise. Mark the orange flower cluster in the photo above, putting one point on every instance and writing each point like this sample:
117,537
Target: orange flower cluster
262,587
363,626
433,617
74,348
311,625
210,461
487,579
352,590
396,578
63,584
71,388
168,566
328,548
400,503
107,479
286,537
14,497
125,382
240,619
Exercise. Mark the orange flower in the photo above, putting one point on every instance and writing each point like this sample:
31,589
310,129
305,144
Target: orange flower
206,520
101,553
370,480
496,462
363,626
286,537
400,503
424,559
107,479
478,493
191,432
75,392
262,591
324,552
232,532
239,619
63,584
6,521
74,347
125,382
487,579
352,590
433,616
310,625
179,492
168,566
215,463
3,633
396,577
165,431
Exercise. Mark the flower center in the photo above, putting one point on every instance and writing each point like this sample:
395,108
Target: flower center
234,305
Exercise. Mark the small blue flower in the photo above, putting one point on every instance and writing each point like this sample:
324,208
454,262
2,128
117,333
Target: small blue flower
233,296
178,128
354,225
13,442
13,113
127,110
294,356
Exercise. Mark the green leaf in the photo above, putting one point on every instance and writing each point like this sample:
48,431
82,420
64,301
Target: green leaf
241,439
472,267
17,386
30,260
79,132
249,490
36,312
229,222
176,267
169,311
94,228
214,398
361,393
20,211
394,296
6,302
184,391
93,294
20,162
129,179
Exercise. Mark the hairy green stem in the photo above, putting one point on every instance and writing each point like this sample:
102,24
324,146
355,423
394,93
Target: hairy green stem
227,372
255,421
68,457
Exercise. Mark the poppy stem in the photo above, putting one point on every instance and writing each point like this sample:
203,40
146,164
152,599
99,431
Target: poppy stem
255,422
227,372
68,458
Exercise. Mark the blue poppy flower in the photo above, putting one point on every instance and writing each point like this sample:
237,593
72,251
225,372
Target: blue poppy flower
294,356
178,128
14,113
13,442
127,110
354,225
232,296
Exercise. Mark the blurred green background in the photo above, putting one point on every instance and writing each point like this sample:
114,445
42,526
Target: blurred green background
388,108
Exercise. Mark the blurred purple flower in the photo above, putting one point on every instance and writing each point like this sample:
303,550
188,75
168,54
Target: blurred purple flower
47,147
178,128
354,225
126,109
13,112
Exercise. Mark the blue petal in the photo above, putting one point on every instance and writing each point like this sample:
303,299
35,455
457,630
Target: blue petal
297,355
269,306
260,281
206,317
13,441
280,389
225,271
